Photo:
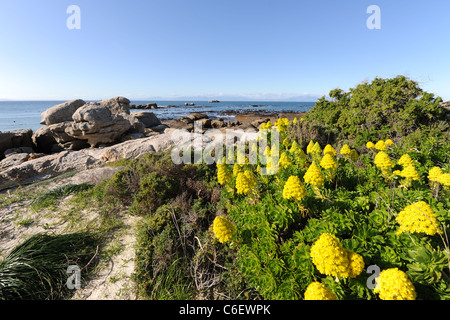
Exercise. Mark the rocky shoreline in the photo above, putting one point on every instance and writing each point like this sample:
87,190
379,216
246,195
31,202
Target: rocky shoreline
79,136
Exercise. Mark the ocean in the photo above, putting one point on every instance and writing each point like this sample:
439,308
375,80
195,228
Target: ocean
15,115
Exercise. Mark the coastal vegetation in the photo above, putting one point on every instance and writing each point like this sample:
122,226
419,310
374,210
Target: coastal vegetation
358,208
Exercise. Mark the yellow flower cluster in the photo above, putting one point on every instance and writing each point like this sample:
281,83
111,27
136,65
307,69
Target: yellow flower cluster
284,161
348,152
309,147
405,160
418,217
345,150
223,175
383,161
394,284
297,151
445,179
266,126
313,148
282,123
409,170
331,258
410,173
237,168
318,291
223,229
381,145
329,150
370,145
436,175
294,189
328,162
313,176
245,182
389,142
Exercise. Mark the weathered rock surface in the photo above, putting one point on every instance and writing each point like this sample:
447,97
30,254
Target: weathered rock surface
53,138
15,139
45,167
117,105
61,112
97,124
17,158
147,118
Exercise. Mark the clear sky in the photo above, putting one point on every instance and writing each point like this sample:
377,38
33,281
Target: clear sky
225,49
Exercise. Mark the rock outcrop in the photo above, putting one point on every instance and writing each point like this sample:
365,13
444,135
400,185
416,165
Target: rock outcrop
147,118
15,139
26,169
97,124
61,112
75,125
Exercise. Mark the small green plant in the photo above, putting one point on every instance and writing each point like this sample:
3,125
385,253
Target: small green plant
50,198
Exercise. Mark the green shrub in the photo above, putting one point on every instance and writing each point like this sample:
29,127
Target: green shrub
383,108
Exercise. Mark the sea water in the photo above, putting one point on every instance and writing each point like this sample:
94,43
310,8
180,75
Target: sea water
15,115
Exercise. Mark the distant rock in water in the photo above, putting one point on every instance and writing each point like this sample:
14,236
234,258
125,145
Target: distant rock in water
144,106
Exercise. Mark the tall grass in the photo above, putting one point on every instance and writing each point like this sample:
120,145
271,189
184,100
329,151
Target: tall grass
37,268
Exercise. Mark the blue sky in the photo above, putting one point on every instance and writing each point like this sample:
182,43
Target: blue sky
233,49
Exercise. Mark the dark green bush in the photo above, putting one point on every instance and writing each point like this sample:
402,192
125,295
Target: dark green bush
377,110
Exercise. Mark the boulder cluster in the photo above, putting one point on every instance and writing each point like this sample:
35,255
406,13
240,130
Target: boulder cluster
75,125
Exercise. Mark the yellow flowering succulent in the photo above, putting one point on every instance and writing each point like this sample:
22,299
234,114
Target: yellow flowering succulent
223,175
294,189
245,182
318,291
405,160
394,284
237,168
445,179
223,229
345,150
284,161
434,174
418,217
329,150
410,172
356,265
389,142
309,147
294,121
328,162
383,161
282,123
331,258
370,145
313,176
380,145
297,151
316,149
